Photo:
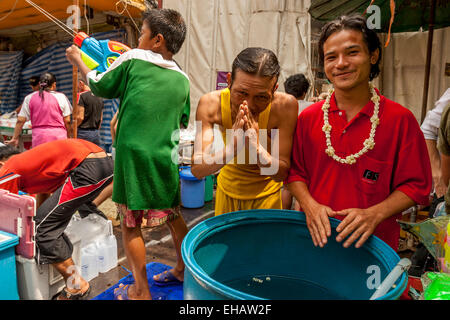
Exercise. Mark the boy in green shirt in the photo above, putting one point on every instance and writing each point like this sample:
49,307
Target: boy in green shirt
154,99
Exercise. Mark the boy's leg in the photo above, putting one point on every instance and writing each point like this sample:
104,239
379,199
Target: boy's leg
178,230
105,194
133,243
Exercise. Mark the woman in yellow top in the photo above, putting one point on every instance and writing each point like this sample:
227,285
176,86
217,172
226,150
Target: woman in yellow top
257,126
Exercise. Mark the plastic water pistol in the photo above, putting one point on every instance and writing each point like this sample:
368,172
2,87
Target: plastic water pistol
99,54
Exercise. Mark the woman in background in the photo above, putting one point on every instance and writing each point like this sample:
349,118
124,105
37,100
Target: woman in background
49,112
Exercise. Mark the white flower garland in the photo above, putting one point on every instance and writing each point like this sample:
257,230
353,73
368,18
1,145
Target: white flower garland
369,143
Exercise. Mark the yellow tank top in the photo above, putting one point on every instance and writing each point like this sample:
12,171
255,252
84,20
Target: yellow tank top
243,181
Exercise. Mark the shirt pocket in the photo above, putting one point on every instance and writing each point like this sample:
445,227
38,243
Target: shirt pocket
374,179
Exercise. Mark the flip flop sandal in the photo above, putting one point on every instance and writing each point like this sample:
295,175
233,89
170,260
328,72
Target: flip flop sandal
167,279
73,296
122,292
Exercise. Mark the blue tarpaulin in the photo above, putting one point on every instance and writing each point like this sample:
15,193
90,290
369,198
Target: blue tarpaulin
14,83
170,292
10,67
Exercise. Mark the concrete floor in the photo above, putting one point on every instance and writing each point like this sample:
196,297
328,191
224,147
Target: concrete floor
159,248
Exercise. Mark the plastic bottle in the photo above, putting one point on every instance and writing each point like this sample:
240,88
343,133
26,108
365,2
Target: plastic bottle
102,254
112,252
446,266
89,267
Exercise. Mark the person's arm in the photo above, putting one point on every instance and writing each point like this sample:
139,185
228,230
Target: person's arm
18,109
317,215
101,119
444,146
410,187
435,161
17,131
277,162
361,223
203,163
113,126
80,116
110,84
67,123
445,168
73,55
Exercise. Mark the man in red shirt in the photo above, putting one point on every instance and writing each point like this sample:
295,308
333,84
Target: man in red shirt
75,171
357,156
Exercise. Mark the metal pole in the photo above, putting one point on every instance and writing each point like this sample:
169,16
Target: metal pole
428,63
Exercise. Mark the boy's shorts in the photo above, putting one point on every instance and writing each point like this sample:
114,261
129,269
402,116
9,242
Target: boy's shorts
154,217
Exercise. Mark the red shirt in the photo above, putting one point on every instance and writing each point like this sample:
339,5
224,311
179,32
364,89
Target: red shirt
44,168
399,160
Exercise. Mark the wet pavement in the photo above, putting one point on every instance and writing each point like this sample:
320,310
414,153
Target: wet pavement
159,248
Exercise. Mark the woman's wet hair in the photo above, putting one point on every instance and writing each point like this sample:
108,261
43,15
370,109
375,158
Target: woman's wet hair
46,81
358,23
256,61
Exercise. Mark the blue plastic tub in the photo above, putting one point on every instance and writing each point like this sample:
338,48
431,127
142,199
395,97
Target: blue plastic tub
8,276
269,254
192,189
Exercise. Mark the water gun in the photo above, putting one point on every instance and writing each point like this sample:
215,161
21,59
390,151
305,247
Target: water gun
99,54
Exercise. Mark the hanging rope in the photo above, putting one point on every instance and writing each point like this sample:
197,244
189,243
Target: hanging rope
125,5
52,18
390,22
12,10
85,17
392,7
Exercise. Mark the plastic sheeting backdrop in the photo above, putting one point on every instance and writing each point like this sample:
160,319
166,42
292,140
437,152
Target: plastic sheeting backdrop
14,75
10,66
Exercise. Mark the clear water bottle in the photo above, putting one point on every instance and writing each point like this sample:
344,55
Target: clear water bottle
89,268
111,245
102,254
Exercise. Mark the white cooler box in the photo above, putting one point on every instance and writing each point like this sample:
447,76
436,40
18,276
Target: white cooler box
42,282
95,252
